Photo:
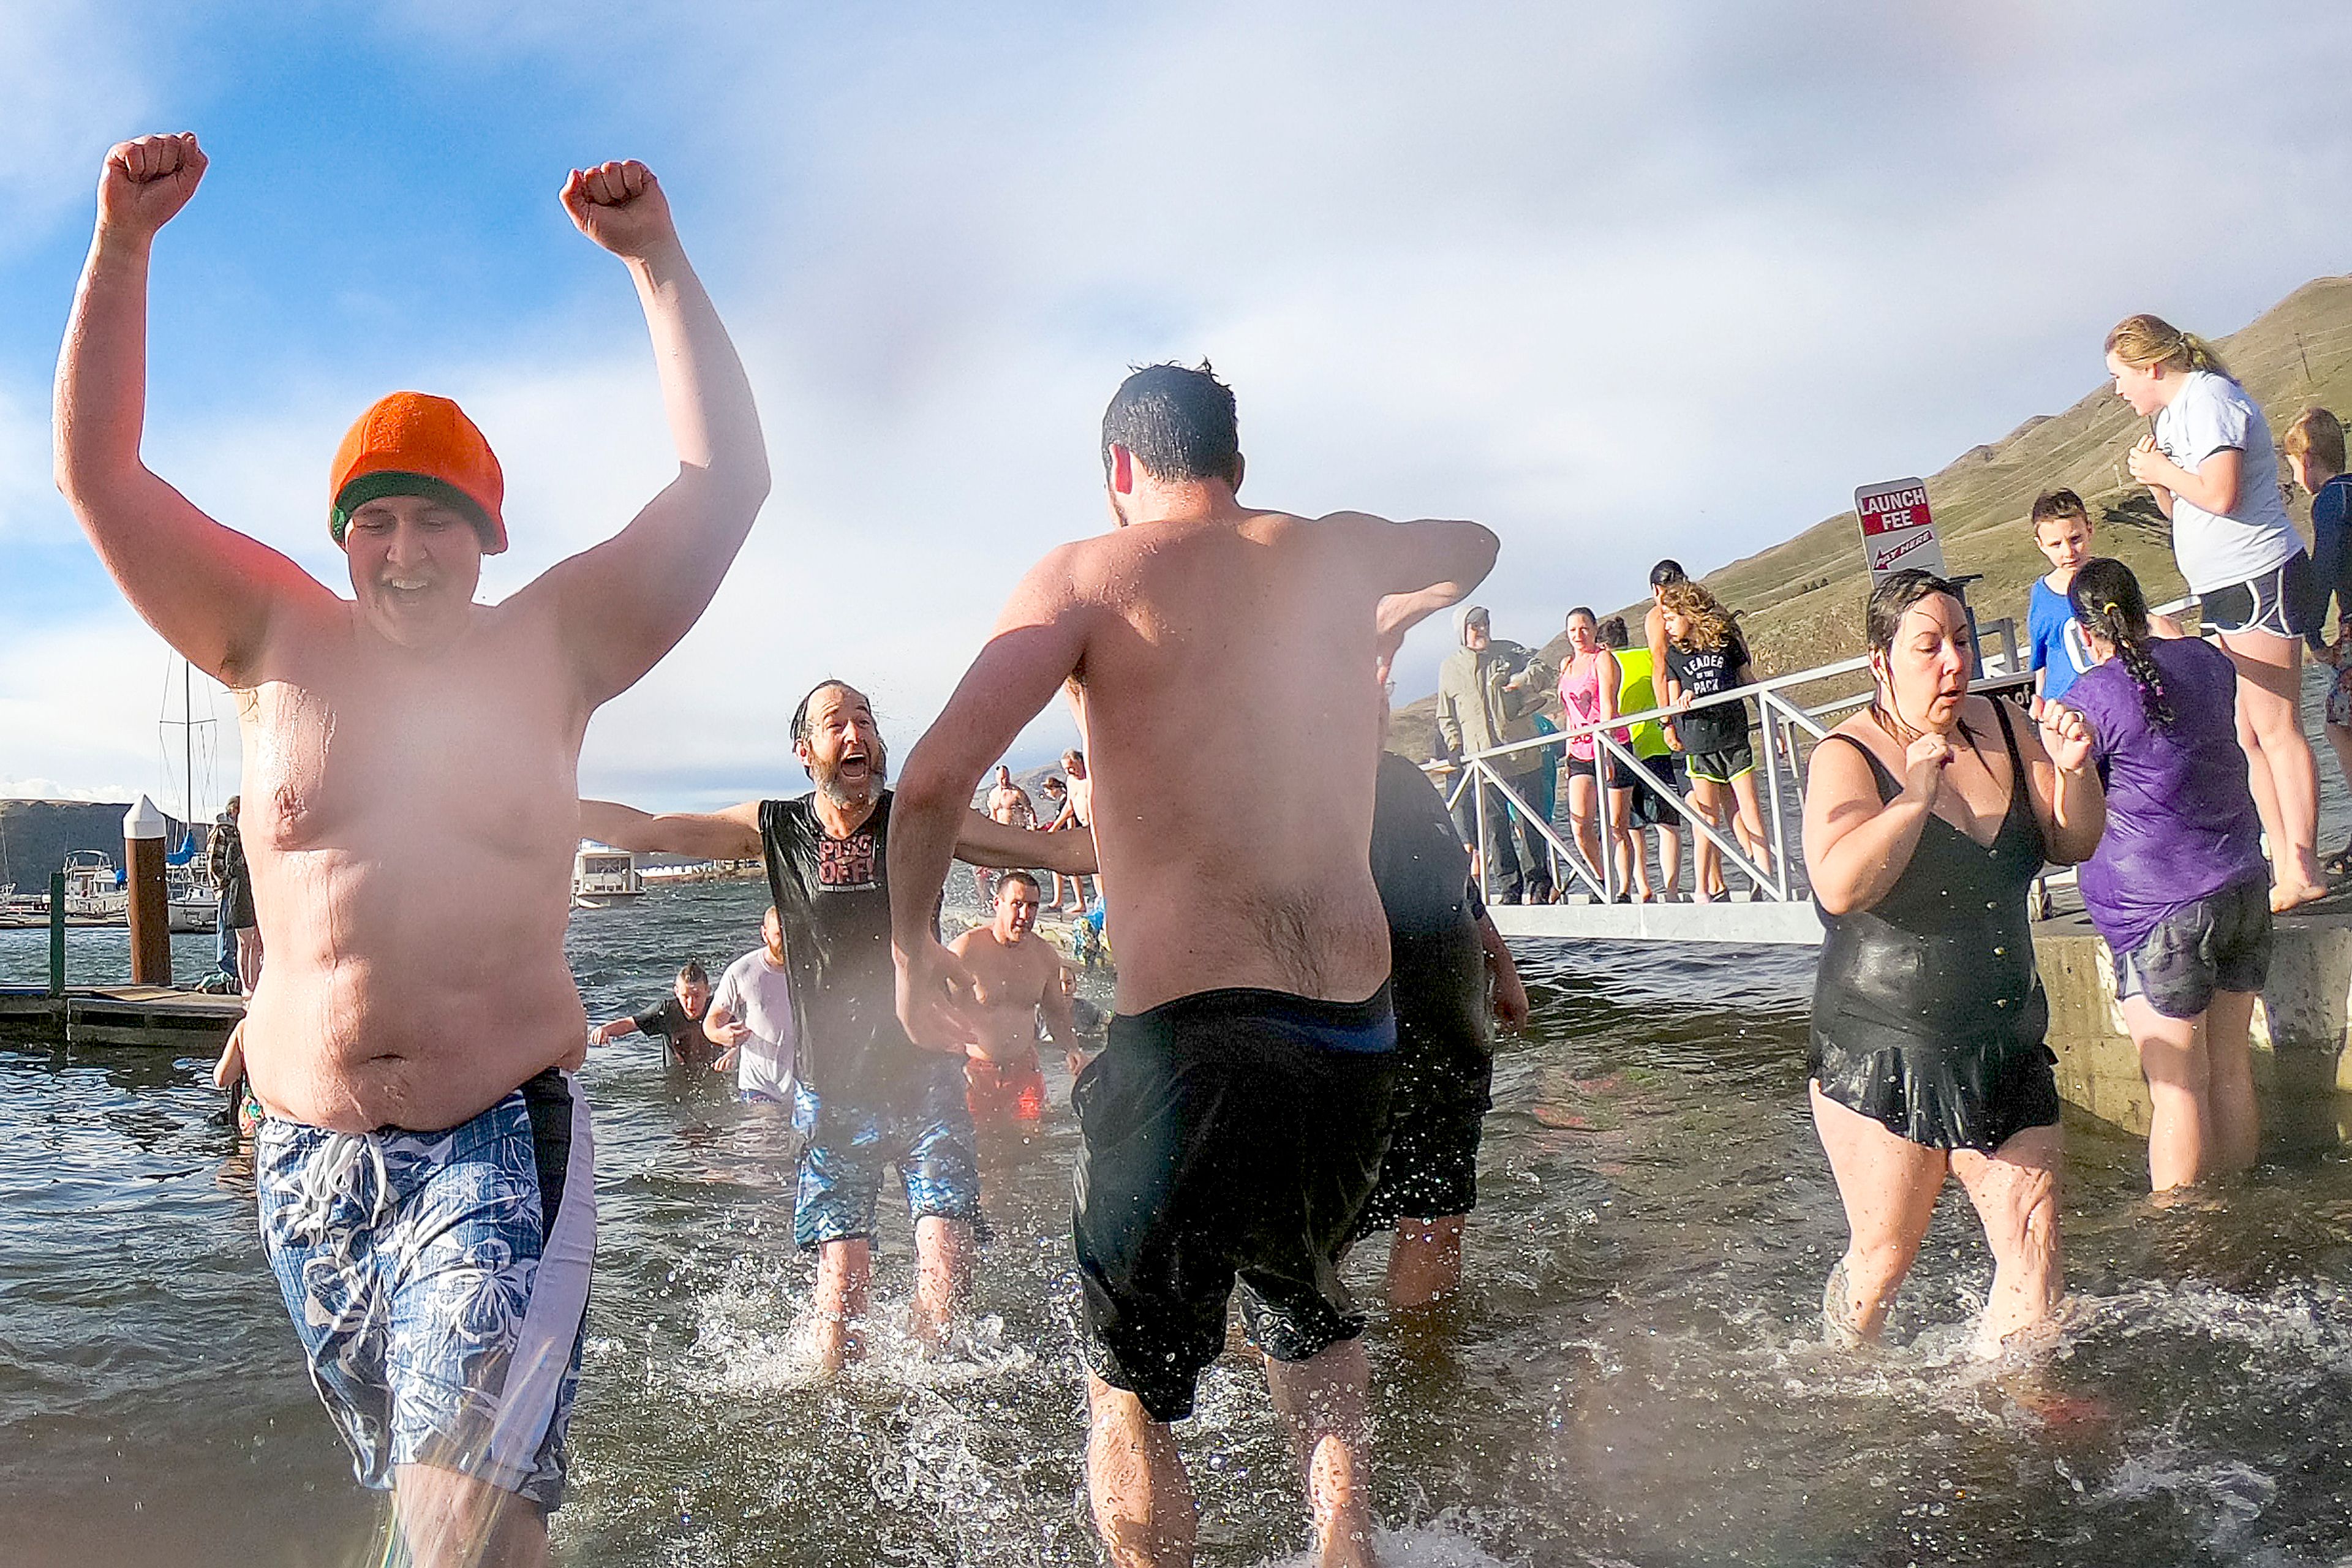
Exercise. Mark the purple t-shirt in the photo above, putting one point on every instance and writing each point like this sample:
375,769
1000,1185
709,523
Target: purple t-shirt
2180,820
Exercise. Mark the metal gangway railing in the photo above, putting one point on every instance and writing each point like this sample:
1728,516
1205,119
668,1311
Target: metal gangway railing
1493,779
1779,906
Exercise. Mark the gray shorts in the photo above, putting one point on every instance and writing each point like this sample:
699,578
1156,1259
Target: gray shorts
2219,943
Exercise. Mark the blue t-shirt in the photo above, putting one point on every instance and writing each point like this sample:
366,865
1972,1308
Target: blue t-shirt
2331,554
2059,646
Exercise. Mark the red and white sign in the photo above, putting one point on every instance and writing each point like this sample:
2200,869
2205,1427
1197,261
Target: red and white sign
1897,531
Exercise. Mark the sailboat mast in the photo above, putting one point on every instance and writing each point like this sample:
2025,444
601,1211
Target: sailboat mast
187,754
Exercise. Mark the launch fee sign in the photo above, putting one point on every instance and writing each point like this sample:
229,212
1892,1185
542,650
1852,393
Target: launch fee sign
1897,532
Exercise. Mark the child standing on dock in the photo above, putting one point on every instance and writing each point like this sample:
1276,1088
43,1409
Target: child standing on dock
2062,531
2315,456
1707,657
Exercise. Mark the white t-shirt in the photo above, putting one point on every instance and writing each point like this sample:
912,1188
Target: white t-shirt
2212,414
759,996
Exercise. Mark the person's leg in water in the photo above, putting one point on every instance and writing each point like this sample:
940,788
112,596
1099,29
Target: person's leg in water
1888,1185
2015,1189
1424,1262
2237,1124
844,1277
451,1521
2172,1058
1749,822
1323,1401
2279,765
943,1254
1142,1497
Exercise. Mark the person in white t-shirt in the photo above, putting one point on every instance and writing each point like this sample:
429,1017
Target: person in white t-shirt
2210,464
750,1018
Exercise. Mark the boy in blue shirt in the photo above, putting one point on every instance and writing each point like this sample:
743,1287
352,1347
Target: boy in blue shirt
2061,530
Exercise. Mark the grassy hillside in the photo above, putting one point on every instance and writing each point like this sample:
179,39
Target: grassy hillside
1800,601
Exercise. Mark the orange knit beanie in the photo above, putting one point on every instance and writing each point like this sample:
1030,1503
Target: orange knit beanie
413,444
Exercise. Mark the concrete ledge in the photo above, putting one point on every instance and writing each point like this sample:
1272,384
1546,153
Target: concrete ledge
2303,1069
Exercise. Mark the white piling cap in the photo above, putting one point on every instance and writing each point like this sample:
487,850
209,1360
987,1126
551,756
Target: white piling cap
142,821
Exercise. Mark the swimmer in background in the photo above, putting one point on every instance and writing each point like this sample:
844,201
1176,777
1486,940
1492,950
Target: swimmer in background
1008,803
1078,812
676,1020
751,1021
1016,976
1051,820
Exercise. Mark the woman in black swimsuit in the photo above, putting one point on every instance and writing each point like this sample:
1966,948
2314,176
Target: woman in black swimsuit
1927,816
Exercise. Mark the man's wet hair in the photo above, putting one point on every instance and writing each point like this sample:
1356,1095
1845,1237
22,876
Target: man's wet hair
1666,572
801,713
693,974
1029,877
1179,422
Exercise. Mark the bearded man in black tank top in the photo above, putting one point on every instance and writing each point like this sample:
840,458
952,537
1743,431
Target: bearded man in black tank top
867,1095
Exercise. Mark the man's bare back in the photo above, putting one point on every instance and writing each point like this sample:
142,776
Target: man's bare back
1222,662
410,757
1213,655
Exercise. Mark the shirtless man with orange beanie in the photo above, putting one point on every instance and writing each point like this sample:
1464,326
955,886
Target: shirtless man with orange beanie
411,763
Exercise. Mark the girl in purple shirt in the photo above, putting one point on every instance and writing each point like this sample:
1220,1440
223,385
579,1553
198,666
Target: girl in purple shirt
2178,885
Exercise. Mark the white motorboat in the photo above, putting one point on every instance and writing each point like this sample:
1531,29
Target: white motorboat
94,889
605,879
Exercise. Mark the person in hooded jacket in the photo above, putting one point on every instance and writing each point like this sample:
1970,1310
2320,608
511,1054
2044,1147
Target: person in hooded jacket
1487,696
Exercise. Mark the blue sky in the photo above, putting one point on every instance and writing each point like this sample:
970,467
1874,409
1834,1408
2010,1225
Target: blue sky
1657,280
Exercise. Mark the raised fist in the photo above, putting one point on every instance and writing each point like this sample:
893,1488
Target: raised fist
620,206
145,183
2066,736
1924,762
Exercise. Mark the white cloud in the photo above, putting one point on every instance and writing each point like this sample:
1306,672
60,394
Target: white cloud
1663,281
71,75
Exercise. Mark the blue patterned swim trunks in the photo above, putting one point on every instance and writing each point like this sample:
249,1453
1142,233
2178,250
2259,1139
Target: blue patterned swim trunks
929,1137
439,1283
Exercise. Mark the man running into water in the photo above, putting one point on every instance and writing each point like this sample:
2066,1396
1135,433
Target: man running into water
1235,1124
411,757
1008,803
751,1018
1016,975
867,1097
676,1020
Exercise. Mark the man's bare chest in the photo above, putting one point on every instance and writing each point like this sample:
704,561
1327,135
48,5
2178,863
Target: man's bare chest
484,755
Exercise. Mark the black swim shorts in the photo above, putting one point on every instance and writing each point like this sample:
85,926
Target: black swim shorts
1444,1087
2219,943
1230,1133
1660,776
2284,601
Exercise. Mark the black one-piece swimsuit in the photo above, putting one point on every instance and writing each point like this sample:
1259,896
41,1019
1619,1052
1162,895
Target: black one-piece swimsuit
1928,1016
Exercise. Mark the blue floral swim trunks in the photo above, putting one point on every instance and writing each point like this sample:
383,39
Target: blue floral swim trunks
439,1283
928,1136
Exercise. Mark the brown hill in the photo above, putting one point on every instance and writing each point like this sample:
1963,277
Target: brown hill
1799,601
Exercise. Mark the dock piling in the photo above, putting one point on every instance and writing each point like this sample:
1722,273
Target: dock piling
151,903
57,933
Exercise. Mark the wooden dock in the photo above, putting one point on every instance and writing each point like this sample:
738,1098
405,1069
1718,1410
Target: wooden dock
119,1015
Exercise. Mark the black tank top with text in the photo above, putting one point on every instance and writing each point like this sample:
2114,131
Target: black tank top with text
833,900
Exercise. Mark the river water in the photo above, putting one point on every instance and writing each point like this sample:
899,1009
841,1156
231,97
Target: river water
1635,1377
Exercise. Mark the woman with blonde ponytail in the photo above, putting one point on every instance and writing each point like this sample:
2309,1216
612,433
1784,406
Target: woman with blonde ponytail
2208,462
2176,886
